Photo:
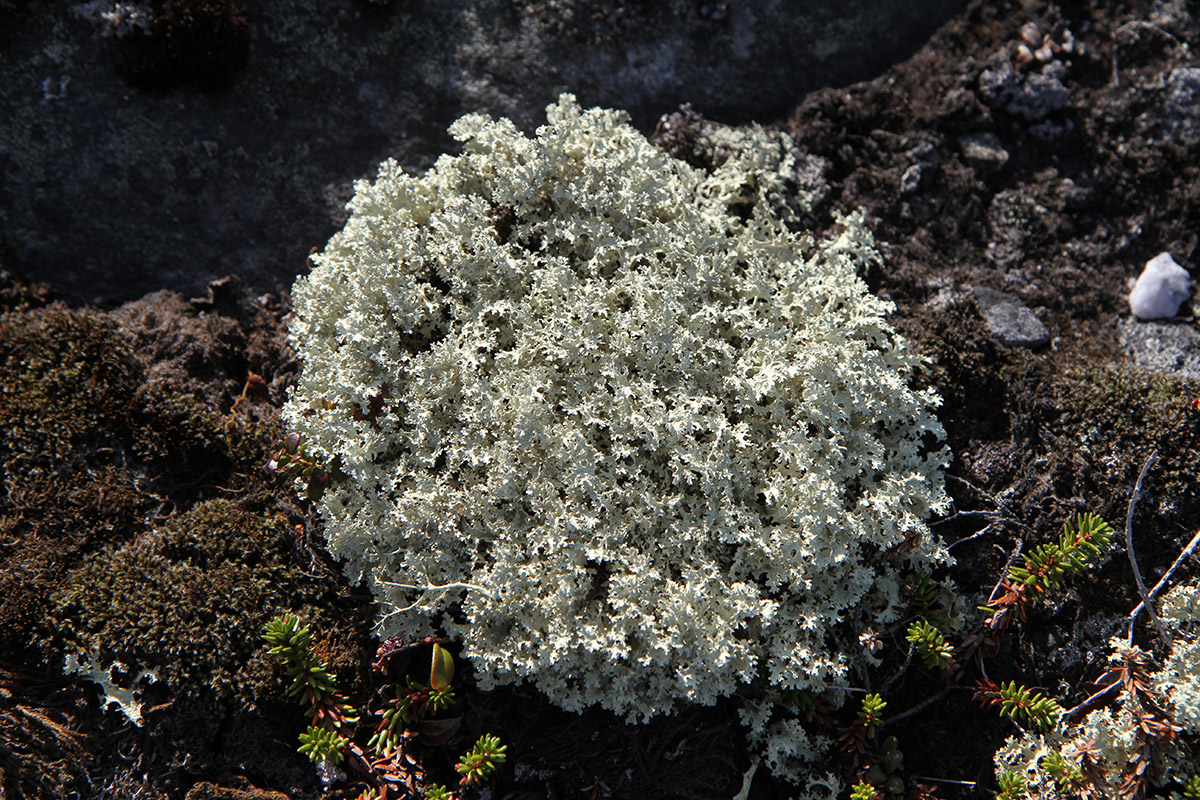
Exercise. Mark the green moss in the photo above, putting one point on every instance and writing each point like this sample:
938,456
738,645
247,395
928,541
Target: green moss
187,598
47,524
68,378
75,399
89,451
966,367
113,548
65,419
1114,417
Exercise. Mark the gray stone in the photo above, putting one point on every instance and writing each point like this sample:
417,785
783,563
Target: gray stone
1009,320
983,150
1166,348
1160,289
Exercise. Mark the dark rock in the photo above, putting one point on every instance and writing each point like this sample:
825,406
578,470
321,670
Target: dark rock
1180,105
111,192
1032,96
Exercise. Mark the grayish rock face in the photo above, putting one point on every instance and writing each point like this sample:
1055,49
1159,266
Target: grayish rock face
1009,320
111,191
1180,105
1163,347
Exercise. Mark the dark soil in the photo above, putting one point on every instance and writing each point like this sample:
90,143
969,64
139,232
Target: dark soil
137,523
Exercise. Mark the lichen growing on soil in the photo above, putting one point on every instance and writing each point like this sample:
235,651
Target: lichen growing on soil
961,189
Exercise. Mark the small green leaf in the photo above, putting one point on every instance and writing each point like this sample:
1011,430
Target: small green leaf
871,712
478,764
441,672
931,645
1029,707
322,744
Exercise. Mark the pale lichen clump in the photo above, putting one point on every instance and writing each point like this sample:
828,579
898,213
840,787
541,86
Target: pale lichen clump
609,423
1113,739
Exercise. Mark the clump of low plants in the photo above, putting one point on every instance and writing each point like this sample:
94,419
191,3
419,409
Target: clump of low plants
414,710
606,421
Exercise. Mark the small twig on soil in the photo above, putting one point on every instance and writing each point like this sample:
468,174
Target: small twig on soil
977,534
973,488
1004,573
945,780
957,515
919,707
1187,551
1090,701
1137,573
1143,24
999,504
887,685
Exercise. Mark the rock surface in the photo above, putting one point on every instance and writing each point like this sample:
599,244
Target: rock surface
1009,320
112,190
1163,347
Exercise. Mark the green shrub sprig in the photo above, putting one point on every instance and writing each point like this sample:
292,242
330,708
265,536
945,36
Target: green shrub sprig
924,600
1068,777
1027,707
863,791
1083,539
321,744
1012,786
314,684
477,765
407,706
931,645
871,712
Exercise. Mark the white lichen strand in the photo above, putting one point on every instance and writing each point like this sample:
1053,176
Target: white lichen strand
642,447
126,695
1179,679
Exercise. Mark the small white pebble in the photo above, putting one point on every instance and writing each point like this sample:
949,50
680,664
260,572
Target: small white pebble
1160,289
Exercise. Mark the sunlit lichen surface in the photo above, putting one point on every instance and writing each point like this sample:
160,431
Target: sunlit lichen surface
609,423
